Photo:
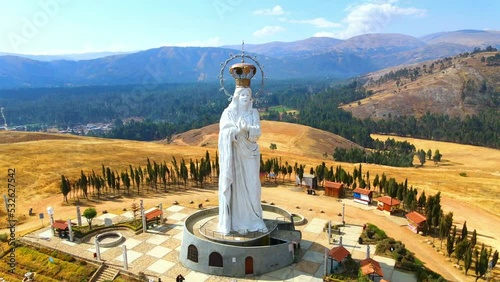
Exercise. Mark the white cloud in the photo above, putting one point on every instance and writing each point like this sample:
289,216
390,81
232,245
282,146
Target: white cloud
317,22
274,11
268,30
325,34
374,17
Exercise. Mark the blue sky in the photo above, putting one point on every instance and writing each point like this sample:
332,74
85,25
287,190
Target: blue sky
77,26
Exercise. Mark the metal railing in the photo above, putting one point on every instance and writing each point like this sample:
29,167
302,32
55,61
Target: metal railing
283,219
234,236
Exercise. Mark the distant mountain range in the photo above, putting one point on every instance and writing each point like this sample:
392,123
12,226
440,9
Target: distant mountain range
315,57
69,57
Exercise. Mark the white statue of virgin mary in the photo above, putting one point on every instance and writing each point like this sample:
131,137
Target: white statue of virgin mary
240,209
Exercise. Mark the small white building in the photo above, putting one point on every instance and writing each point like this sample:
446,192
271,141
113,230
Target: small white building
362,196
308,180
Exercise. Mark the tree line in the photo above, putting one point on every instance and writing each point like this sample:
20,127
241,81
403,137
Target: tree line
109,182
391,153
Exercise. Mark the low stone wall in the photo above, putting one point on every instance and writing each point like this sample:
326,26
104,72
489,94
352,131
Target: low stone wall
110,243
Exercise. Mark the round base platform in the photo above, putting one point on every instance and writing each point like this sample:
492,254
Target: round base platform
205,250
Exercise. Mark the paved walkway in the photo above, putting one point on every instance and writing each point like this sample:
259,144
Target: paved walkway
156,253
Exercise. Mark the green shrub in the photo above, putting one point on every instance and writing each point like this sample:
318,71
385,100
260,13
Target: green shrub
380,233
82,231
372,234
4,237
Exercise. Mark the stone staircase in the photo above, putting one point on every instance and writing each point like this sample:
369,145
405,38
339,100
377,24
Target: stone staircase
105,273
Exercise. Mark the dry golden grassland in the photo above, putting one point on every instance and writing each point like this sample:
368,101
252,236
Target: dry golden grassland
40,159
480,165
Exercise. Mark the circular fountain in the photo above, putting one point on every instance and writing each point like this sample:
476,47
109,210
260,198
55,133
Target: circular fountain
298,219
110,239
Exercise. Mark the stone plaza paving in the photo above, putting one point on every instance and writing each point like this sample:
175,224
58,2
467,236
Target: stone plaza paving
156,253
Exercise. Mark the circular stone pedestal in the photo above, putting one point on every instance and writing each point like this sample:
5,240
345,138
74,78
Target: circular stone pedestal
207,251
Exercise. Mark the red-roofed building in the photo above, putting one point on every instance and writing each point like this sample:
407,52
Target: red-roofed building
60,224
415,221
362,196
154,214
371,268
388,204
334,189
61,227
337,255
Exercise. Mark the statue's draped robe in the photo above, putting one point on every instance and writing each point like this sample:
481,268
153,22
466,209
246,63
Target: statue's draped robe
240,209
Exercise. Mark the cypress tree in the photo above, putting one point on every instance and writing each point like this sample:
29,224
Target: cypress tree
464,231
65,187
84,184
468,259
422,200
360,173
449,245
460,250
208,161
376,181
494,259
137,181
473,239
482,263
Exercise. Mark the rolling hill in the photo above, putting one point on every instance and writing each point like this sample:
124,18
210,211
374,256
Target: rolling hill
458,86
305,140
470,38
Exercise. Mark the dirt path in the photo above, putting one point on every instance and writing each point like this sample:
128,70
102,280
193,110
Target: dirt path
288,197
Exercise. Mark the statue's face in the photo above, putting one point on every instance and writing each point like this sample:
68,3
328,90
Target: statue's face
245,97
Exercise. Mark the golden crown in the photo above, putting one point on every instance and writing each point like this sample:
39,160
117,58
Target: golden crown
242,73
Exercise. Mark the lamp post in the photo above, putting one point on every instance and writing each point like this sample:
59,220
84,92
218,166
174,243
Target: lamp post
50,212
71,239
343,212
125,260
143,218
78,216
97,249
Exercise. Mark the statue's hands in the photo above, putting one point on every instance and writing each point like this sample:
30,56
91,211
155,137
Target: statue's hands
242,124
252,131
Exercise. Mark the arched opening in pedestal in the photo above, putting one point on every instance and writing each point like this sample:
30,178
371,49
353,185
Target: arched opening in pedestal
249,265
